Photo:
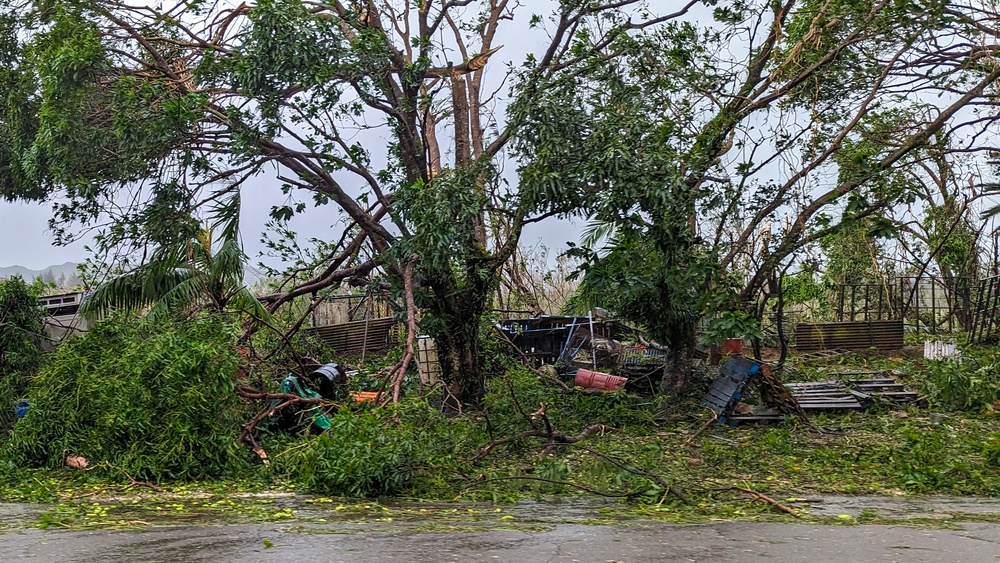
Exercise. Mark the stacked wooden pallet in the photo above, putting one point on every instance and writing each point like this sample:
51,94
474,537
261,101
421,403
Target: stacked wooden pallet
825,395
850,391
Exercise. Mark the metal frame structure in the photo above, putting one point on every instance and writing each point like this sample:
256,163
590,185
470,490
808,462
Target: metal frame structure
986,315
927,304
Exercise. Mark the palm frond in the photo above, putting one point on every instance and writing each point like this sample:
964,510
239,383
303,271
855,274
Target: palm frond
180,298
596,232
135,290
121,292
225,217
182,275
227,264
246,302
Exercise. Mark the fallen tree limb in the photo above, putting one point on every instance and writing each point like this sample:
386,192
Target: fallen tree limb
554,438
761,497
249,393
621,464
704,427
286,399
133,482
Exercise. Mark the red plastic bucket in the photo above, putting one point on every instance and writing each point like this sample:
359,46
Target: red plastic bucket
597,380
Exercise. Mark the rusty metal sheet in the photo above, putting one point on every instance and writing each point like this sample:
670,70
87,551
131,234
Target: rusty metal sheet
858,335
357,336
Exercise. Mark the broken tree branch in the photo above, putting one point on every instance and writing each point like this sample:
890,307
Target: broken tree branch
554,438
286,399
701,430
399,370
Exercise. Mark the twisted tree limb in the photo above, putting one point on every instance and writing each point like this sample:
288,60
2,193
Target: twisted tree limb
286,399
398,371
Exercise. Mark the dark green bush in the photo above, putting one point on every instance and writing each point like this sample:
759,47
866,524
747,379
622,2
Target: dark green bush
21,326
155,402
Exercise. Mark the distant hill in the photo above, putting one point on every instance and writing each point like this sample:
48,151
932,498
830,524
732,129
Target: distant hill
62,275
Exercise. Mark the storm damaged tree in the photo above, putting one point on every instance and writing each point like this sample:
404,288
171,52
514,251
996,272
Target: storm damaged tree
383,112
711,152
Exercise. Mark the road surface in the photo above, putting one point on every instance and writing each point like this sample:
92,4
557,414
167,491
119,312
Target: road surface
635,542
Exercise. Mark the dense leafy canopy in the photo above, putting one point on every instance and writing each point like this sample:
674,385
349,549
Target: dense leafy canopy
710,153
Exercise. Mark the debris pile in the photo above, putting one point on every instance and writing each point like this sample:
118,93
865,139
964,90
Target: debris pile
574,344
854,390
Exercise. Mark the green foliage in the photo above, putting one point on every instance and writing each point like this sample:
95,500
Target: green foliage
801,288
818,30
412,449
184,275
71,119
853,255
954,237
21,332
926,463
969,383
443,214
617,148
367,452
991,449
610,153
156,402
359,456
731,324
520,391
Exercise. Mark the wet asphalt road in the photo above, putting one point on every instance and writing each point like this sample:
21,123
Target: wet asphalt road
637,542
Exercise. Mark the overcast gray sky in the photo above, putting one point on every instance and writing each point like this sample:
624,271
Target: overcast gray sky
26,240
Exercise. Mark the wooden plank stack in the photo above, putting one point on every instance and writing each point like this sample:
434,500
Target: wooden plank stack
852,390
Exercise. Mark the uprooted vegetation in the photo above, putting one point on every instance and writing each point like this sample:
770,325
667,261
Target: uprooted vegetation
158,407
20,350
156,403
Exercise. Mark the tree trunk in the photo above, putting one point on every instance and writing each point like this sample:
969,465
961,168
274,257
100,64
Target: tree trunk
456,313
458,350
